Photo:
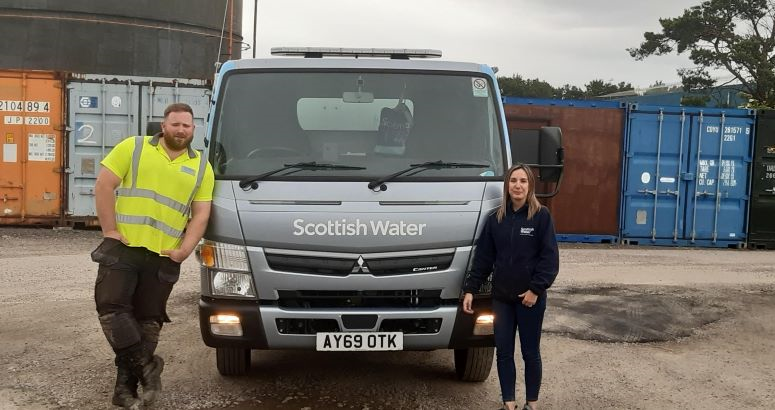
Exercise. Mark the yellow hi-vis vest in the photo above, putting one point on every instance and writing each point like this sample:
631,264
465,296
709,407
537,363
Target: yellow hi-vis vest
154,205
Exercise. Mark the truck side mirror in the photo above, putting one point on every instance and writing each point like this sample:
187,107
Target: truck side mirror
550,154
540,149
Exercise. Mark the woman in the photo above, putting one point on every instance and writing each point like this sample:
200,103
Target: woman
518,246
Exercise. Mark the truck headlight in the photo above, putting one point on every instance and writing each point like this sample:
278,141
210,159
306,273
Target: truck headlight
226,283
227,267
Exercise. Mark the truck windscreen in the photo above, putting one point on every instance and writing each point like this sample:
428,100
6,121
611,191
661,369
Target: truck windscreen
372,122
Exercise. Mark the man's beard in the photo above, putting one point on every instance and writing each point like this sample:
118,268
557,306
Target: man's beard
173,143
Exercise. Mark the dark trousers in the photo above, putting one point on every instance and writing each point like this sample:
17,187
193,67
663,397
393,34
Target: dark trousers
131,292
510,317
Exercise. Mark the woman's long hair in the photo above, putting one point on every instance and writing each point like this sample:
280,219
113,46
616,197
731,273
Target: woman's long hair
533,206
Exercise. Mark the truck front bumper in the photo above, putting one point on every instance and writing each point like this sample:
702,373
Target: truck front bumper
260,325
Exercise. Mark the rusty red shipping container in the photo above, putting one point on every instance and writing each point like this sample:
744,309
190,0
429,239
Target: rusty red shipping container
586,209
31,108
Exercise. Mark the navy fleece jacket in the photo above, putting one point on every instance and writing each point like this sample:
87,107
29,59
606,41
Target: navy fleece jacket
522,254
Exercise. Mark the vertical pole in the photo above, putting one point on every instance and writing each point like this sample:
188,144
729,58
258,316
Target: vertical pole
25,149
718,177
103,103
678,175
696,180
255,26
231,28
656,177
129,109
150,103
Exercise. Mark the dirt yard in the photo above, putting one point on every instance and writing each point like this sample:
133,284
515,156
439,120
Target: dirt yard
626,328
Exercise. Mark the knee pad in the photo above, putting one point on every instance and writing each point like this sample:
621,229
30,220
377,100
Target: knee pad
150,334
121,330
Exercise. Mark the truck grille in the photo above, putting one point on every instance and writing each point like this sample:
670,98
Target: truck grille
360,265
313,326
360,299
411,326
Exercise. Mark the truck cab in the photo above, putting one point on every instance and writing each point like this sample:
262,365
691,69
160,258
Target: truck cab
351,186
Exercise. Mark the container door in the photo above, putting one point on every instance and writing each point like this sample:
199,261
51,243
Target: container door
587,207
157,97
31,163
100,116
653,201
761,229
719,160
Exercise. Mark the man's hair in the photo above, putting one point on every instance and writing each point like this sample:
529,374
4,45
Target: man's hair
178,107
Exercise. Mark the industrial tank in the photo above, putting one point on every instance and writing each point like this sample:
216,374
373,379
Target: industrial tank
171,38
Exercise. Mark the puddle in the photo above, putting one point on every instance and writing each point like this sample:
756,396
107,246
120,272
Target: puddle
627,315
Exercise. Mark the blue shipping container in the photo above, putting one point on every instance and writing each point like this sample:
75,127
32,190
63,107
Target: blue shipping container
687,173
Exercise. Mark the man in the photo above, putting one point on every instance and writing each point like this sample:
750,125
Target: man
145,192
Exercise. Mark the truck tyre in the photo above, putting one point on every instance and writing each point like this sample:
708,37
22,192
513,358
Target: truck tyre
473,364
232,361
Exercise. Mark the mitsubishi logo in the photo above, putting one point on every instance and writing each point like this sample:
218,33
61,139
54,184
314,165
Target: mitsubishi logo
360,266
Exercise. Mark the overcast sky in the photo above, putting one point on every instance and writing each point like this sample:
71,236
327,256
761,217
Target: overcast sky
558,41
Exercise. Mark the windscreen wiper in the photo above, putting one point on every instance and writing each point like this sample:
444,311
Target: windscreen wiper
425,165
251,182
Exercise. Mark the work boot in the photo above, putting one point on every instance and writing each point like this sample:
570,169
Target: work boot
151,379
125,392
148,370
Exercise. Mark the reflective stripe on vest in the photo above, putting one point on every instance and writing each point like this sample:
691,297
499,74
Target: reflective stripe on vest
134,192
147,220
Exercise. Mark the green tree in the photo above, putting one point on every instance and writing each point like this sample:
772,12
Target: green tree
569,92
516,86
734,35
597,88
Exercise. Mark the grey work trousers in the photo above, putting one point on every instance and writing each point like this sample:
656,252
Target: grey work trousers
131,292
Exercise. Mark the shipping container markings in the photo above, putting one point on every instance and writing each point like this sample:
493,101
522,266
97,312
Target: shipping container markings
769,171
86,131
19,120
41,147
24,106
727,175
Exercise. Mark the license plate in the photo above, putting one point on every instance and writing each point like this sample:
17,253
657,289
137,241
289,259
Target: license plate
360,341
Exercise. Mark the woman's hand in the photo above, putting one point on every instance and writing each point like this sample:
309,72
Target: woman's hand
468,300
529,298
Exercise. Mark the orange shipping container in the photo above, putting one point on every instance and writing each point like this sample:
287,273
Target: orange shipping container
32,147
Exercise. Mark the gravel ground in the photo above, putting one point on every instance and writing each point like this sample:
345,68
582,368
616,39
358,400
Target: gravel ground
626,328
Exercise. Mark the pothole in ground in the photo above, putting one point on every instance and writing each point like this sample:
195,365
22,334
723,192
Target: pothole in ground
628,315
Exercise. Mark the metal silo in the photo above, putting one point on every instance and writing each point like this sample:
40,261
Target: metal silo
170,38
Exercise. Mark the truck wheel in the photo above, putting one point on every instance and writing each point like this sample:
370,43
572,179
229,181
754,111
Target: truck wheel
473,364
232,361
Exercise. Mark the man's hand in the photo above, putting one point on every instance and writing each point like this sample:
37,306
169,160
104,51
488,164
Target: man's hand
529,298
115,235
177,255
468,300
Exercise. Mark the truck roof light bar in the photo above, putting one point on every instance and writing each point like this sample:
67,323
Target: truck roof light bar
320,52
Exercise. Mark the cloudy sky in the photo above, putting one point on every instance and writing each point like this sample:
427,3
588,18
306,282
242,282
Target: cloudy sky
558,41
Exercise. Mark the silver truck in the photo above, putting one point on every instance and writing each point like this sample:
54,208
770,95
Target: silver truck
351,185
